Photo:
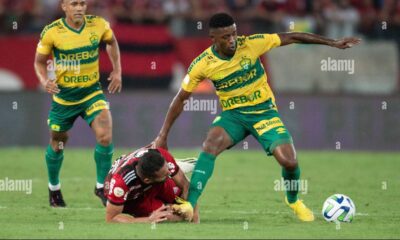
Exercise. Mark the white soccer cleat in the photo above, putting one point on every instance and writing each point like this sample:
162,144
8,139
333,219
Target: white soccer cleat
186,164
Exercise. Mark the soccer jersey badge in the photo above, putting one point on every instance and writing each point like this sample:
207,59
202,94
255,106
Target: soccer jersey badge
119,192
94,39
245,63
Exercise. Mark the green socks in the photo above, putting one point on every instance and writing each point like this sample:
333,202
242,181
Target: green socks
290,176
201,173
54,161
103,156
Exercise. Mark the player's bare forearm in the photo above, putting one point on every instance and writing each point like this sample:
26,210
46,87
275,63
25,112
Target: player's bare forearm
174,110
182,182
115,77
114,215
40,66
114,54
125,218
310,38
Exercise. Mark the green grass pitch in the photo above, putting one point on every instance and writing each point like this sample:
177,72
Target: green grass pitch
239,201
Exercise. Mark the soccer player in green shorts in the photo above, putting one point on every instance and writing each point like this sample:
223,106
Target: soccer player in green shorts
73,42
232,63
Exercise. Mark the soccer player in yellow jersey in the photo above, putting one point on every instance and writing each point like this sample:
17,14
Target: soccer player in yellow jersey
73,43
232,63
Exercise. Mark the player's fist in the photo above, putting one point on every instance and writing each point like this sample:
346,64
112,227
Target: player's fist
346,42
160,215
51,86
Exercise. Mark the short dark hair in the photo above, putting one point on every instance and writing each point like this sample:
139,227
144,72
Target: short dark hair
150,162
221,20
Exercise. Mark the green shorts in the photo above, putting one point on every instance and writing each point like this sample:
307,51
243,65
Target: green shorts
62,117
266,126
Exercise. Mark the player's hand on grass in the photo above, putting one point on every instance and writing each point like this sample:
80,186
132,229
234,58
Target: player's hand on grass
51,86
346,42
115,82
160,214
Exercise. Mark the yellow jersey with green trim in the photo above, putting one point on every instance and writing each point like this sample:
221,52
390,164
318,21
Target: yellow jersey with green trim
75,57
239,81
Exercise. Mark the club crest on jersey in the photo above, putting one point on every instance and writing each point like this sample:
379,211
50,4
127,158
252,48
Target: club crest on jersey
171,167
119,192
245,63
94,39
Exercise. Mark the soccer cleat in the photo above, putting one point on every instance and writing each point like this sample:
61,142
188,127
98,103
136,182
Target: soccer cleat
301,211
56,199
186,164
100,193
183,208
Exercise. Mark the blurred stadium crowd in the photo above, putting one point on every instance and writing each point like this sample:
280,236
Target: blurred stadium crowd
333,18
159,39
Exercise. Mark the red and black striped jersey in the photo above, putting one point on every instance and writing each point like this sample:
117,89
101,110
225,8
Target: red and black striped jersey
122,182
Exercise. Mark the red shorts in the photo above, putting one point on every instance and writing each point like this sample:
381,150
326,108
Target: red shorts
153,199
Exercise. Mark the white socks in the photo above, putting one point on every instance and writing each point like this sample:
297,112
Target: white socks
54,187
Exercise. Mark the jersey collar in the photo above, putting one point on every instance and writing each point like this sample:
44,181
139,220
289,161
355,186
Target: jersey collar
72,29
219,56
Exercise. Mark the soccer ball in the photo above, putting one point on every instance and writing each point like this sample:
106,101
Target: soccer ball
338,208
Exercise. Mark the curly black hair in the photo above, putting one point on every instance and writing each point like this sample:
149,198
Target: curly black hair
221,20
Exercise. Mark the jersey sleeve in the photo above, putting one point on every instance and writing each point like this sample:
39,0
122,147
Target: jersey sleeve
172,165
118,190
45,44
108,33
194,75
262,43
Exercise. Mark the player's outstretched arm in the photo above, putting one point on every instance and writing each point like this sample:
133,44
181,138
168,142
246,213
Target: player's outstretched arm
310,38
114,215
115,77
40,66
174,110
182,182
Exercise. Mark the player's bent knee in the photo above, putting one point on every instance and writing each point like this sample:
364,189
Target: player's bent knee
213,146
210,149
104,139
290,164
58,141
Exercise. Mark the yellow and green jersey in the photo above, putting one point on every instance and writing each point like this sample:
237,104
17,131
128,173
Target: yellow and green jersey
75,57
239,81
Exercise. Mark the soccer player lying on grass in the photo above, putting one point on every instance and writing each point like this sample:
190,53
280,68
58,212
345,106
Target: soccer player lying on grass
146,186
232,63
